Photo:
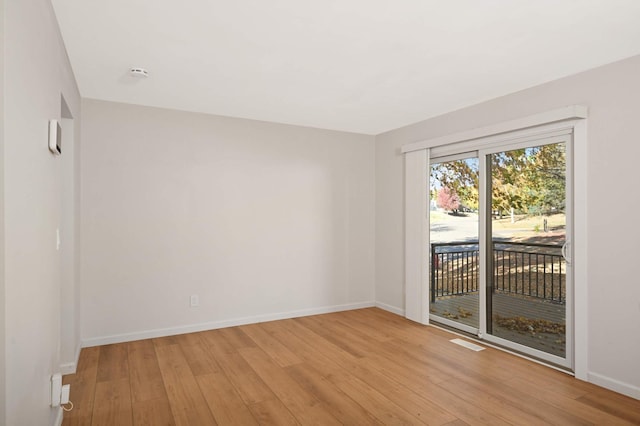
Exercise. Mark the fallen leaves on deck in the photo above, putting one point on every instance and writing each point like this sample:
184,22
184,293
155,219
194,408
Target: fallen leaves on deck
462,313
529,325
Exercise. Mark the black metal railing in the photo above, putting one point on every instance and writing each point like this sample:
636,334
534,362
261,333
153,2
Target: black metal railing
454,269
528,269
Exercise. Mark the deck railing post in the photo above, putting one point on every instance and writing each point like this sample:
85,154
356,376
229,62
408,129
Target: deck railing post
434,271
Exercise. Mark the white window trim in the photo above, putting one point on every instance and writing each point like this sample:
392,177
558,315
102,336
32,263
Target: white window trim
416,290
557,115
570,118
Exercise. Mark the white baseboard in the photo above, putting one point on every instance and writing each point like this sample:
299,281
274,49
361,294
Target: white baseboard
193,328
614,385
71,367
59,415
68,368
392,309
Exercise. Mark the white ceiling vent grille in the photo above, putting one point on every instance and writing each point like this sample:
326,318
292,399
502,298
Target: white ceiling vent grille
139,72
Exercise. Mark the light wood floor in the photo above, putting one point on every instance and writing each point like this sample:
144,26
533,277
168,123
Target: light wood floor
359,367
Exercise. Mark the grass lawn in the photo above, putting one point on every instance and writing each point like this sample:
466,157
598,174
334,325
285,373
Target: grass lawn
439,217
525,227
531,223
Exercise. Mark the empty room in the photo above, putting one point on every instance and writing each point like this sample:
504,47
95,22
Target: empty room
319,212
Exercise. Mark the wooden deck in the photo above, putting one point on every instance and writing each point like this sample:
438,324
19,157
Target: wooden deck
464,309
361,367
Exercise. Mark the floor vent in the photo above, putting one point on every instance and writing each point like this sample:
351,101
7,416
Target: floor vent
467,345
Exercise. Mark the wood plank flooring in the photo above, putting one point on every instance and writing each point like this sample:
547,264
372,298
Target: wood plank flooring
361,367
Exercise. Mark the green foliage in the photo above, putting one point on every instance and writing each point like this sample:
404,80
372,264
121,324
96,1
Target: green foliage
460,177
547,177
530,180
509,187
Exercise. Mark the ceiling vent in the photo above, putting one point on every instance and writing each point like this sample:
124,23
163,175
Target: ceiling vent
139,72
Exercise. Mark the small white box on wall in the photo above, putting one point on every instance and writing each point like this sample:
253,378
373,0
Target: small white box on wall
55,137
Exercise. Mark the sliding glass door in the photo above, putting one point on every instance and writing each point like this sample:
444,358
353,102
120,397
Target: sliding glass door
528,273
499,245
454,250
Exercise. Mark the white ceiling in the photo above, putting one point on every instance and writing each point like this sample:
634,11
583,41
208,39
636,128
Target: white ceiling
363,66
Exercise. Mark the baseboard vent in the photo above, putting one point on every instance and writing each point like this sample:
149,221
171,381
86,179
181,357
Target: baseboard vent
467,345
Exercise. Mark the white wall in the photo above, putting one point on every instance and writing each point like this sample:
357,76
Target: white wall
2,281
69,235
260,220
36,73
611,93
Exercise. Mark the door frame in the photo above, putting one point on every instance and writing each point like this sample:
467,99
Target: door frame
417,221
486,244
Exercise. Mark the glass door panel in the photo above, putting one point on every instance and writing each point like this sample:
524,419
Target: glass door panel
527,225
454,249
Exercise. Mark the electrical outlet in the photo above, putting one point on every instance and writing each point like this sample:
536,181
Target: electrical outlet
195,300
